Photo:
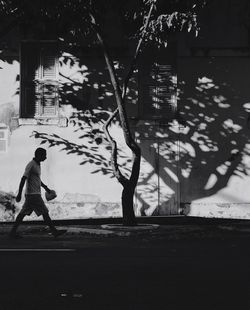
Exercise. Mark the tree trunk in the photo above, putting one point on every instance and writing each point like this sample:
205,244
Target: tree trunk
128,205
129,185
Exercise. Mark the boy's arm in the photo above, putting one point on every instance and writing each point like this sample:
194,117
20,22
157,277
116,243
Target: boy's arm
21,185
45,187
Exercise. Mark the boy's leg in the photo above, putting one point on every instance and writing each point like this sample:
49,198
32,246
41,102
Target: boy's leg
48,221
18,221
53,229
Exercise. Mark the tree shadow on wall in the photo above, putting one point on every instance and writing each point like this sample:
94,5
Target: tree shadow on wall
213,134
212,139
87,96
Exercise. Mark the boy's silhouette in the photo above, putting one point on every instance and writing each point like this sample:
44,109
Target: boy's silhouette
33,198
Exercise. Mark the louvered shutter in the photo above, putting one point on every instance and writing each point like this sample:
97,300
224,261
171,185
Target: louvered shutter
157,87
49,82
29,74
39,80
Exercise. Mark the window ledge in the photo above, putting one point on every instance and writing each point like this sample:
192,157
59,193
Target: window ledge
60,121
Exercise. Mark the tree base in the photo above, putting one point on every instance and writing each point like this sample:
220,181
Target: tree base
129,223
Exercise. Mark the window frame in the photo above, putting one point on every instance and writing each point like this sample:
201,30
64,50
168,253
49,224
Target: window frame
157,58
38,80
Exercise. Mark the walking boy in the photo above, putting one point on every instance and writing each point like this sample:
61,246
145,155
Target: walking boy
33,198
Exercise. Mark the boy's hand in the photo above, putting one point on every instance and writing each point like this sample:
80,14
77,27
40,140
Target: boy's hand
18,197
48,190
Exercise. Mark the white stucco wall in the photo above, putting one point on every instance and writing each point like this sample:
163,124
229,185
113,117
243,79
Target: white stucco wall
203,165
81,192
214,144
74,183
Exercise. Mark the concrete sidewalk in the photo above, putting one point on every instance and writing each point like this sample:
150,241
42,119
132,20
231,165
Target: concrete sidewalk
94,234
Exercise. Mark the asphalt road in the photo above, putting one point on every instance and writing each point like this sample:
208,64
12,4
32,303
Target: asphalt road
185,270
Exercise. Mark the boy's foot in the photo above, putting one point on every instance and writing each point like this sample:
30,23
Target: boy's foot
60,232
14,236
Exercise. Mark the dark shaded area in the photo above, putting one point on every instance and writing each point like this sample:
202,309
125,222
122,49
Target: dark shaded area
177,266
216,117
213,136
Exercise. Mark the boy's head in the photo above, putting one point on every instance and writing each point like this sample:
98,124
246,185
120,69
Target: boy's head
40,154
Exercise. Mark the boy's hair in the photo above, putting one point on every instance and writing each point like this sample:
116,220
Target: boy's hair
39,151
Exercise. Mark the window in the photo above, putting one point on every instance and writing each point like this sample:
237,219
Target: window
39,80
158,85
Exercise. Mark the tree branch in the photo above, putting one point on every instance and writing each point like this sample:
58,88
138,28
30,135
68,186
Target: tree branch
137,52
115,83
113,144
120,98
71,80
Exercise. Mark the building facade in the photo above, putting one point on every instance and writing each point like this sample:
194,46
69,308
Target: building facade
188,107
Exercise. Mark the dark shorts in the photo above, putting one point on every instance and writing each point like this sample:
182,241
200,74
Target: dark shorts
34,203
